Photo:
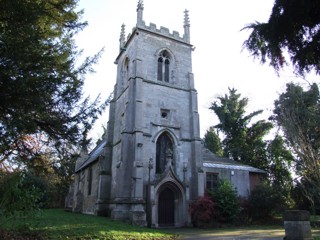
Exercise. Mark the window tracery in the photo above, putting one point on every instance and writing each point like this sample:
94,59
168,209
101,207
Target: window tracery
164,66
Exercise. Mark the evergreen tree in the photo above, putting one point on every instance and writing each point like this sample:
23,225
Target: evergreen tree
212,142
242,142
41,81
293,29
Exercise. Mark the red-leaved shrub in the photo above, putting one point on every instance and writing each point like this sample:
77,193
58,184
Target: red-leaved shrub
201,211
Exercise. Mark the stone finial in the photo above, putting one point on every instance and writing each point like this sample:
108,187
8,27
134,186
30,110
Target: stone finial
122,37
186,26
186,19
140,5
140,13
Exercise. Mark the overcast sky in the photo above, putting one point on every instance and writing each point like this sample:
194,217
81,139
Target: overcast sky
218,59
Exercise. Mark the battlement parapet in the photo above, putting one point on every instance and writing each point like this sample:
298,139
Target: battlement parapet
152,27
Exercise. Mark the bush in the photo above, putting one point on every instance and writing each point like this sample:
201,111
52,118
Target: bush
20,197
226,202
201,211
264,202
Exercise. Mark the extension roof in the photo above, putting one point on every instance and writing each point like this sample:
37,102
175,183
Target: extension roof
211,160
94,155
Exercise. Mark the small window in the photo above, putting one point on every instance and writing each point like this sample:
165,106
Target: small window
211,181
164,113
79,183
89,180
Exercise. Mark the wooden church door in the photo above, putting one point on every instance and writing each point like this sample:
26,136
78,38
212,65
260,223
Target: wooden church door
166,208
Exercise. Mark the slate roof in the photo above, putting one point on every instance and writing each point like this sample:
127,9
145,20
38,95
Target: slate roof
94,155
211,160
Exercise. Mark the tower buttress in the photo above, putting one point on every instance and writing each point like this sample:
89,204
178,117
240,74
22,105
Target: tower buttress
140,13
186,26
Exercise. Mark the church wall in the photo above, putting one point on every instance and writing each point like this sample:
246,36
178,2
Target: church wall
85,202
146,46
162,98
238,178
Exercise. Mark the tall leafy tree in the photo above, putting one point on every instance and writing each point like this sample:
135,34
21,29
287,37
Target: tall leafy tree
242,142
297,112
280,160
41,80
212,142
293,29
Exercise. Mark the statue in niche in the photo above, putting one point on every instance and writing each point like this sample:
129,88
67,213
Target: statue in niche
169,158
164,153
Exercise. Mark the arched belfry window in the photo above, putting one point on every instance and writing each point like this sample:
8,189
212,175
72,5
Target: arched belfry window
164,152
164,66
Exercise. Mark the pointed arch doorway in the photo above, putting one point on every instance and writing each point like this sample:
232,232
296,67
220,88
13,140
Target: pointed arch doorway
166,208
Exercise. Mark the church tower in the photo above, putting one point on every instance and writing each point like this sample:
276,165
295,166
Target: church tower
153,167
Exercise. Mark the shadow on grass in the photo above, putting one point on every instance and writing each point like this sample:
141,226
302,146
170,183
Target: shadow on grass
58,224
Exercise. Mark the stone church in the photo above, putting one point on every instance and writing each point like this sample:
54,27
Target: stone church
152,163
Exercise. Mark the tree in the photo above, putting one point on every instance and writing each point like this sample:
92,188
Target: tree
245,143
280,160
212,142
297,112
41,80
242,142
293,29
310,201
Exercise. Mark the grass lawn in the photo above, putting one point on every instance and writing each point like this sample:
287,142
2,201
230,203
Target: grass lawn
58,224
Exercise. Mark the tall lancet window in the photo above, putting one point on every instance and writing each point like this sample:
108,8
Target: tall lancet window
164,153
125,70
164,66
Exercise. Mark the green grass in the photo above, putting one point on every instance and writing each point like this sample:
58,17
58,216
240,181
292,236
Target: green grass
58,224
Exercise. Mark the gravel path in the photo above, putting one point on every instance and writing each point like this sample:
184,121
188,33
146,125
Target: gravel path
228,234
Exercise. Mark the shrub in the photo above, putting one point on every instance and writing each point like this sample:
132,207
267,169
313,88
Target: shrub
201,211
20,197
264,202
226,202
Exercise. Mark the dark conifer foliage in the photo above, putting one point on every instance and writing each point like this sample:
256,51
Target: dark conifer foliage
41,80
293,29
